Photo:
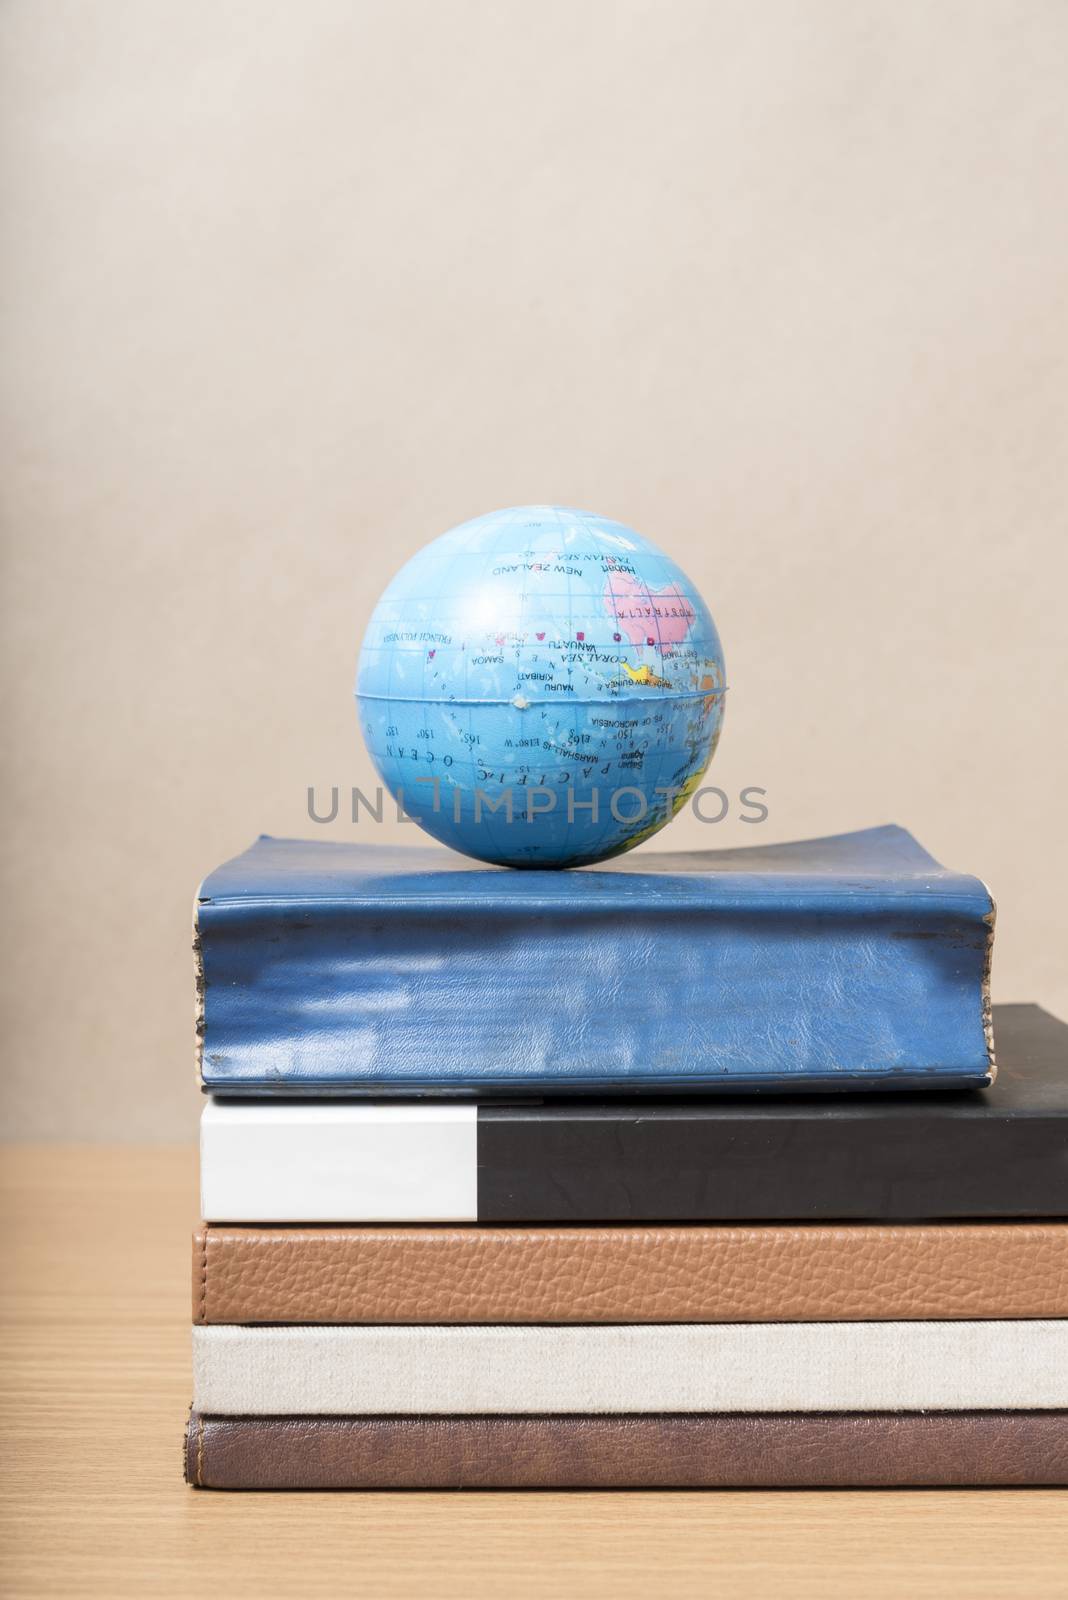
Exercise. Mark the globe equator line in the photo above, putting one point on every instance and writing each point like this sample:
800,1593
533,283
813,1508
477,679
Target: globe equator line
550,700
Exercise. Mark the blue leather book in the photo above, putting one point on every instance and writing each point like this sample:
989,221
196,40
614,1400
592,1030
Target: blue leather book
357,969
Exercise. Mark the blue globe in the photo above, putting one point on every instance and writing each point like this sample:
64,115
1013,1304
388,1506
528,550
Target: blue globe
541,688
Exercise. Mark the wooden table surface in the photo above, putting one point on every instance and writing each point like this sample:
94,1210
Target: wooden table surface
95,1392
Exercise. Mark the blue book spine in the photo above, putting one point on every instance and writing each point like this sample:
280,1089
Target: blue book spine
331,969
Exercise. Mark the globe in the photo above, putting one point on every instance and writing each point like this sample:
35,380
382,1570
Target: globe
541,687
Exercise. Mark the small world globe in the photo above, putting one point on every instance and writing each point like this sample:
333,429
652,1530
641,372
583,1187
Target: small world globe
541,687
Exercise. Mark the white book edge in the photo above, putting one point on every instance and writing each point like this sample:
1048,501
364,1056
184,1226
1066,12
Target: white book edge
843,1366
338,1161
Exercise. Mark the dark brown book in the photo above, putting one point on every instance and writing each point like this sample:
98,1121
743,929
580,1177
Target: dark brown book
726,1450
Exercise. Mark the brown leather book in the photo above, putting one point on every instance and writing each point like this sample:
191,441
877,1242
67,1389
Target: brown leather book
763,1273
846,1450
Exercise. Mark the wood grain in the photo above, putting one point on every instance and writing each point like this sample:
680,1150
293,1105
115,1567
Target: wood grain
95,1387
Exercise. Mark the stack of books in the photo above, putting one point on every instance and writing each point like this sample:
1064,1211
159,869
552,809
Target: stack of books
685,1170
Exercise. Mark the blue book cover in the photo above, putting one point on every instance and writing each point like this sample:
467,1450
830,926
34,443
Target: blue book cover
853,962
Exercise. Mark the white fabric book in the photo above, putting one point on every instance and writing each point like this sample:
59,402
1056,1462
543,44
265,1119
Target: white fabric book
799,1366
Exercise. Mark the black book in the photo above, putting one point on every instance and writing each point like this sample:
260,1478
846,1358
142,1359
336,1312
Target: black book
995,1152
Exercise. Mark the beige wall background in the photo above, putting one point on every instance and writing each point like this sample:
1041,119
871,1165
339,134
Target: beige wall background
290,288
